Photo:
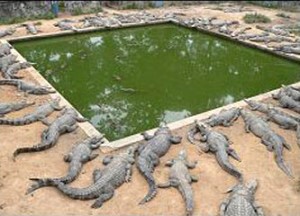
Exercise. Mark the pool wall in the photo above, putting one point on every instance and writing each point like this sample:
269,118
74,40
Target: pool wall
90,130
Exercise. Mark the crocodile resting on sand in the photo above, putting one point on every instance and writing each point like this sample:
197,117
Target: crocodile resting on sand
118,170
14,106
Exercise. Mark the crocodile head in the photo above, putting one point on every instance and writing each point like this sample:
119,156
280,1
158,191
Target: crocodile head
163,129
55,102
203,127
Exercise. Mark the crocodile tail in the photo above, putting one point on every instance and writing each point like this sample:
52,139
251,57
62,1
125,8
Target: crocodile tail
146,169
41,183
36,148
187,194
8,82
14,122
298,134
282,165
227,166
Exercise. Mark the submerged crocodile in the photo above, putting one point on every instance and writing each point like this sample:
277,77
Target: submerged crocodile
218,144
241,201
7,60
224,118
149,154
181,179
14,68
118,170
15,106
287,101
39,114
79,155
66,123
27,87
274,142
5,49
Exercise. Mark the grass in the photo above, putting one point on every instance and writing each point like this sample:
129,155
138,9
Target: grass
131,6
15,20
79,11
256,18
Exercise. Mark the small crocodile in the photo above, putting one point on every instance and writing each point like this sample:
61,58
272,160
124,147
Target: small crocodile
265,107
66,123
63,25
15,106
269,138
287,101
7,60
31,28
14,68
79,155
5,49
149,154
118,170
39,114
225,117
218,144
8,31
241,201
27,87
181,179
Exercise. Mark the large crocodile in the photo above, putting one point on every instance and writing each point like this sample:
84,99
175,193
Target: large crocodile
13,69
290,91
65,123
149,154
274,142
8,31
224,118
218,144
287,101
5,49
241,201
265,107
27,87
79,155
118,170
14,106
181,179
39,114
7,60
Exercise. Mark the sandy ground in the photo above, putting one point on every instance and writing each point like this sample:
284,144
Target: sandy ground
277,193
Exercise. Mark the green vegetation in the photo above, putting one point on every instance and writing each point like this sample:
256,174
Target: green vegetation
256,18
151,5
80,11
15,20
283,15
130,6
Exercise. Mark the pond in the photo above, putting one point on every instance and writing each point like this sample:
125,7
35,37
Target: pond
126,81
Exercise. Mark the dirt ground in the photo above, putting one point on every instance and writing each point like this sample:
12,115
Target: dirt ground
277,193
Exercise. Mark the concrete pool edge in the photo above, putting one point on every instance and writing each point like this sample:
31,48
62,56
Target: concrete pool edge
90,130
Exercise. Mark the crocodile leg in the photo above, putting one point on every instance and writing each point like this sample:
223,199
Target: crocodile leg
169,163
108,194
175,139
97,174
247,127
191,165
194,178
284,143
258,209
164,185
68,157
128,173
223,207
92,157
231,152
107,159
70,129
267,143
45,121
79,119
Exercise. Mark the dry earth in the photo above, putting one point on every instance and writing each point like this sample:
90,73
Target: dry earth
277,193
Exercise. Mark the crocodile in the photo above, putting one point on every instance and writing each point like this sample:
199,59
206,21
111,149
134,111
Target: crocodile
181,179
293,93
224,118
63,25
265,107
65,123
6,61
79,155
240,31
27,87
241,201
274,142
149,154
15,106
287,101
118,170
39,114
31,28
5,49
8,31
218,144
14,68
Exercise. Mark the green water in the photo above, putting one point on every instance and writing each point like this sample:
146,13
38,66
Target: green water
126,81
